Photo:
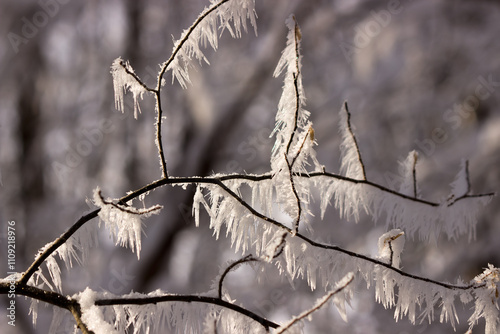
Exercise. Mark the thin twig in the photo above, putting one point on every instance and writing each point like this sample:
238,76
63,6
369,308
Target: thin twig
414,174
125,209
55,245
467,177
279,249
299,206
309,134
159,144
181,42
305,314
248,258
136,77
296,78
392,252
157,91
386,265
354,139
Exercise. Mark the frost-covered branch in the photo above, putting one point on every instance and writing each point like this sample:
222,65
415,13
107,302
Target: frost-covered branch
124,78
352,163
297,83
219,180
299,206
49,297
267,324
53,246
205,28
266,223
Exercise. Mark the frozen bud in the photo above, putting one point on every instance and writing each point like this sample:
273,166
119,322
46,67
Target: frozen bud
490,277
390,247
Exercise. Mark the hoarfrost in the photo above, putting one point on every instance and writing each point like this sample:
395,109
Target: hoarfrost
123,80
124,223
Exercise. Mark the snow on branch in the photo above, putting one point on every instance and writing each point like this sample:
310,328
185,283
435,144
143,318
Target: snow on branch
390,246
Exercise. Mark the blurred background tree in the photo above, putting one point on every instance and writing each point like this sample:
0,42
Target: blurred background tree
417,75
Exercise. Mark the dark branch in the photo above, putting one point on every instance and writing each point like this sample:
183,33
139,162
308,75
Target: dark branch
296,79
159,144
218,181
248,258
414,172
55,245
309,135
316,307
299,206
467,176
125,208
132,74
49,297
183,41
279,249
354,139
388,266
188,299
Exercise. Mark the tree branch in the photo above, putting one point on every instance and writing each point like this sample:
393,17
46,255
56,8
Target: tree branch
219,181
136,77
296,77
159,144
188,299
183,41
299,206
248,258
49,297
316,307
349,128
